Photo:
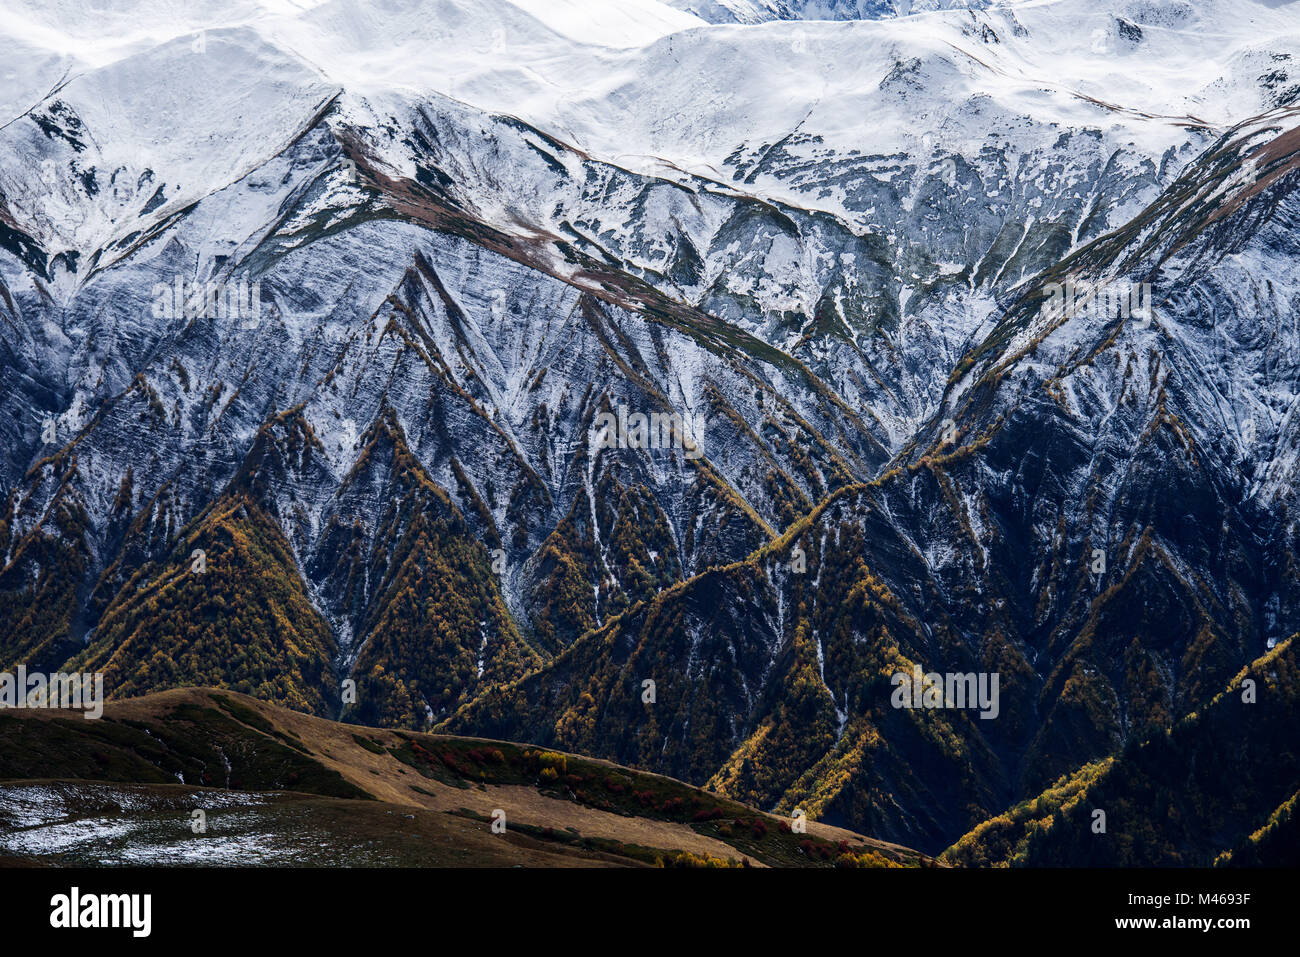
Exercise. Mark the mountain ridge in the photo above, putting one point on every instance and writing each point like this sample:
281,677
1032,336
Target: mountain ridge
908,457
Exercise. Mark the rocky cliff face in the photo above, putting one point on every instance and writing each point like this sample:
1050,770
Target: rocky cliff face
309,374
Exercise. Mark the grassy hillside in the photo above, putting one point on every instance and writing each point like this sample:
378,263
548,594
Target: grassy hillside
267,776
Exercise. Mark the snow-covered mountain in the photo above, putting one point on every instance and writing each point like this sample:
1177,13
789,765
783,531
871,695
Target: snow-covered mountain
759,11
338,293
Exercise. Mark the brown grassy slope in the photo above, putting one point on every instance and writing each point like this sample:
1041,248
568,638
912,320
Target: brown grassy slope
565,804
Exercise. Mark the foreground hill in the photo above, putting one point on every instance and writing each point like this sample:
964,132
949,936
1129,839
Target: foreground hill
279,787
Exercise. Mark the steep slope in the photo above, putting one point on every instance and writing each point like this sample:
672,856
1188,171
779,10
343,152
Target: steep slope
758,11
1216,788
230,612
877,438
1068,436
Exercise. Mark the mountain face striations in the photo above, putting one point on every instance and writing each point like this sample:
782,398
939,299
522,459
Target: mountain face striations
661,381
